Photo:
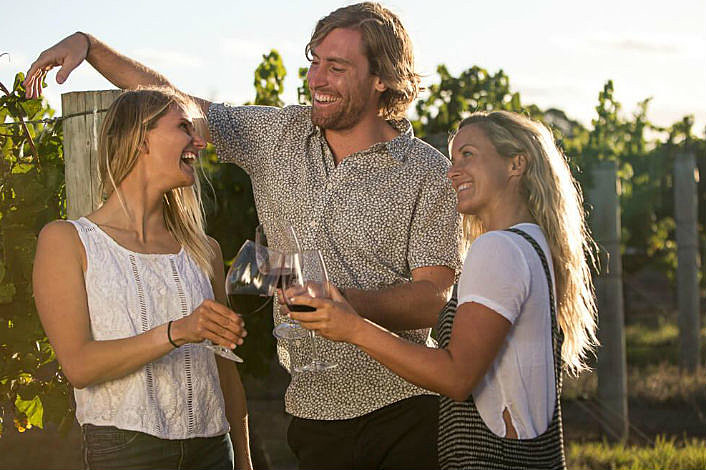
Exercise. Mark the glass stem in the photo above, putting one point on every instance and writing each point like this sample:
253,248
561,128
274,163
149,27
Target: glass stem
314,353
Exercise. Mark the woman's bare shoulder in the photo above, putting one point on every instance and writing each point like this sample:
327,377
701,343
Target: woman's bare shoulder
59,237
58,230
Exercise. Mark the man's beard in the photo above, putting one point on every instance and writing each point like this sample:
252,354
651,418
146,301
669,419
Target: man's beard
345,117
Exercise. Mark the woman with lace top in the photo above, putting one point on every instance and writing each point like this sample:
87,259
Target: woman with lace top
127,292
502,352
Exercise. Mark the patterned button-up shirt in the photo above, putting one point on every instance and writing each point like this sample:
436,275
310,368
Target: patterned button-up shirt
376,216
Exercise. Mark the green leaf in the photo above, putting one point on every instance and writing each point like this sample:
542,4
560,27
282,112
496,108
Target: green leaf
19,78
22,168
32,108
33,409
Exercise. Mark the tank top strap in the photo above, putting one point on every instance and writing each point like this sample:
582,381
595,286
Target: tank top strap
87,233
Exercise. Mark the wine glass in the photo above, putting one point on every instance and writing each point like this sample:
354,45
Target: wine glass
288,329
250,283
308,277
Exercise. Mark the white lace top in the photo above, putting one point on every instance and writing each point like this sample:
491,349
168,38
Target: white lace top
175,397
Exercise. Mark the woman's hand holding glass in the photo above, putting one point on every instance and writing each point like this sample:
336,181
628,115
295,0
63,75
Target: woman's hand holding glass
308,277
210,321
333,318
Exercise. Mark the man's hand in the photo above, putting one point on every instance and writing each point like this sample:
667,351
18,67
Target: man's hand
67,53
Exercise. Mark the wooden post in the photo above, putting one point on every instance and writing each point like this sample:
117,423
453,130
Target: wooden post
612,376
81,147
688,298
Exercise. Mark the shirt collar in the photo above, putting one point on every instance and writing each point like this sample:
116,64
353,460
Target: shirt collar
397,148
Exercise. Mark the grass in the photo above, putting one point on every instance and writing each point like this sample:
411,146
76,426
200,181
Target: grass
666,453
655,382
662,383
652,349
654,340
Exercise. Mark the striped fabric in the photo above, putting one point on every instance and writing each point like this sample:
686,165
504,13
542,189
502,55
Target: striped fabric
465,442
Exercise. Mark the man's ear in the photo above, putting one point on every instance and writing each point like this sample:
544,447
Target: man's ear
380,85
518,165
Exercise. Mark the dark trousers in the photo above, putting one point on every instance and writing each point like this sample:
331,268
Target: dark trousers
401,436
108,448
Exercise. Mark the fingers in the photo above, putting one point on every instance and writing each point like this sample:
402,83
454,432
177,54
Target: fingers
36,73
322,312
216,322
218,334
31,86
310,301
222,310
34,70
66,68
68,53
317,326
335,293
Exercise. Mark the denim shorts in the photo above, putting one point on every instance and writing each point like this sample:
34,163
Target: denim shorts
107,447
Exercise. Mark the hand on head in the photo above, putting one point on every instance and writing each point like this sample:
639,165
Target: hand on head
67,53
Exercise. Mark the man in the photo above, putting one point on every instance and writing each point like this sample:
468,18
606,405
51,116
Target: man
351,178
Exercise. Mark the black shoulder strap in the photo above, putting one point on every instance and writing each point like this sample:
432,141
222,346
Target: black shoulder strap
557,336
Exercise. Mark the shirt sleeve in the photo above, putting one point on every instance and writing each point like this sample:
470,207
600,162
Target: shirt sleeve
435,235
241,134
496,275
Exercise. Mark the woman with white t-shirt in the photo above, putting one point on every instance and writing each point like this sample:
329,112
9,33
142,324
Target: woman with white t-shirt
525,311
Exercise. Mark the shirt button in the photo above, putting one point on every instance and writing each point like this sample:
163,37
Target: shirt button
328,186
313,223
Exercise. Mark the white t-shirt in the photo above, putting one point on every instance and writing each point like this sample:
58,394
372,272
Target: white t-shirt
503,272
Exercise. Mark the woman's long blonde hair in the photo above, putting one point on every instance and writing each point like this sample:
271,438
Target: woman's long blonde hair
124,130
555,201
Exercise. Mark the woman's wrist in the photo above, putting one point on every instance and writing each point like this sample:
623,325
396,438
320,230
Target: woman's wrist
169,334
360,331
174,333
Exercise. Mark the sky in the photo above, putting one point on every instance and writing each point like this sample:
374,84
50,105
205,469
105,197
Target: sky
556,53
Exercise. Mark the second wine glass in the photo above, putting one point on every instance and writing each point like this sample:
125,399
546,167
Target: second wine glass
288,243
308,277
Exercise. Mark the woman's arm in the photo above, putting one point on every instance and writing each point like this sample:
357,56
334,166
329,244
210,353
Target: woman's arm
477,335
231,385
406,306
62,304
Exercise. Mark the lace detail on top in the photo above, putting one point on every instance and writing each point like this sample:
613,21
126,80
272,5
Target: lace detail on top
130,293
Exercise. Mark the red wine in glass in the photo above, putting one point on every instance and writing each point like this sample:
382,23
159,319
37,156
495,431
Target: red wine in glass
247,303
300,308
250,283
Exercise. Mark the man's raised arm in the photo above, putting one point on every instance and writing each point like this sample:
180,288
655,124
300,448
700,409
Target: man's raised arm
120,70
